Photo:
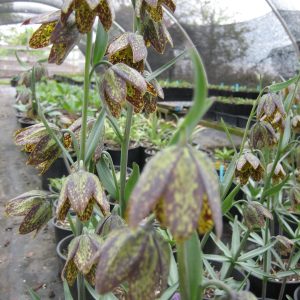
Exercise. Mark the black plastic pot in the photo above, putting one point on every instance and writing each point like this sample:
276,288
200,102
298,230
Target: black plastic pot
60,231
273,287
61,250
57,170
178,94
297,294
228,118
26,122
135,154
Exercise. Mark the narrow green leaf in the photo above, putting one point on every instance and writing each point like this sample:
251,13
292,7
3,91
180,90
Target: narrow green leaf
225,185
255,252
275,189
286,226
169,292
106,178
72,225
100,43
287,133
215,257
166,66
235,241
96,296
228,201
200,102
33,294
173,274
228,135
22,63
282,85
67,292
220,245
284,274
132,181
190,267
95,135
288,101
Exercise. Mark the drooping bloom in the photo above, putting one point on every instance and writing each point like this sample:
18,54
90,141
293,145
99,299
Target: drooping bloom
156,34
283,245
270,109
63,37
262,134
130,49
279,173
154,8
139,257
42,147
86,11
179,184
296,124
248,165
108,224
150,98
81,251
24,96
36,208
121,83
81,191
255,214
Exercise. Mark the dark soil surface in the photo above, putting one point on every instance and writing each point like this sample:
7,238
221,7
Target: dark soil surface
25,260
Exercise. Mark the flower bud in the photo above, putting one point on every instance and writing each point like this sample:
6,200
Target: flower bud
255,214
295,197
283,245
296,124
262,135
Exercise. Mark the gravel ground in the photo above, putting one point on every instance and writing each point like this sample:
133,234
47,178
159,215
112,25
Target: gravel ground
25,261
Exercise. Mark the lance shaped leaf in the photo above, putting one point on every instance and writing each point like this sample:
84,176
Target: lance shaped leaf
22,204
175,183
81,252
81,190
37,216
138,257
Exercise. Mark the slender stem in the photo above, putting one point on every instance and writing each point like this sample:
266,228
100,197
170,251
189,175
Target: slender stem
33,92
218,284
285,278
236,255
124,158
182,272
265,260
86,89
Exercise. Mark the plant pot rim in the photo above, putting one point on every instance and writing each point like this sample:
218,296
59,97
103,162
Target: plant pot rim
297,293
59,245
53,221
132,145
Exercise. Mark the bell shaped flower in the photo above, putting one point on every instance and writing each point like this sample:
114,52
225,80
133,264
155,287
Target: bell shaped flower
279,173
122,83
270,109
36,208
86,11
150,98
262,134
81,191
42,147
109,223
139,257
179,184
283,245
63,37
248,166
295,197
130,49
296,124
156,34
81,250
154,8
255,214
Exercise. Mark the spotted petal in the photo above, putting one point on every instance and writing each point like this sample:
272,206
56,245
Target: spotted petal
41,37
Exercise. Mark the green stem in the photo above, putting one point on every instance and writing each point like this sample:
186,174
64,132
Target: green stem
265,260
86,88
124,158
219,284
238,252
33,92
182,271
285,278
